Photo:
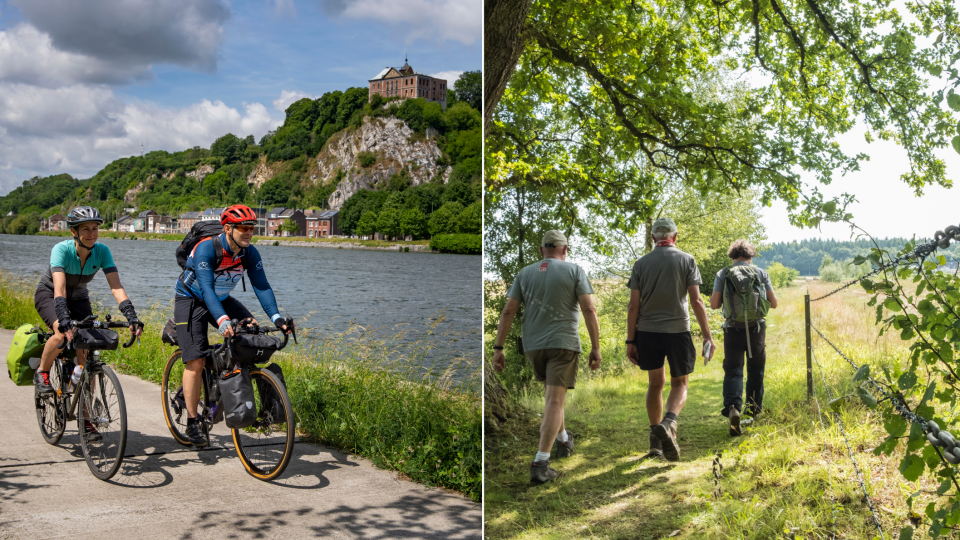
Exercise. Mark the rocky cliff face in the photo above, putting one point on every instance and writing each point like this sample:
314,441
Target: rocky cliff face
260,174
392,141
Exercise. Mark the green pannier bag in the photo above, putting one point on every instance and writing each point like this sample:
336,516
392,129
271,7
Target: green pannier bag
25,347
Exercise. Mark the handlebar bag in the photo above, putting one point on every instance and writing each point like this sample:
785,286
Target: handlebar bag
254,349
168,334
239,406
100,339
24,348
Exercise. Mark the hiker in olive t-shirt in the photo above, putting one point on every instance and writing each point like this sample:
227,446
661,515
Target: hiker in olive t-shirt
735,345
658,327
553,293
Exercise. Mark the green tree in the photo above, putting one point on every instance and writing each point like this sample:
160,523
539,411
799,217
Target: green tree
228,148
388,222
782,276
274,191
469,88
367,224
413,223
470,221
444,220
433,116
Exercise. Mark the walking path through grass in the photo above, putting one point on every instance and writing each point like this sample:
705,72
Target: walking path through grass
786,472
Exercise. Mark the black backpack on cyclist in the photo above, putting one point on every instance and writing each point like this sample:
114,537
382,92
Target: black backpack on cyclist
200,231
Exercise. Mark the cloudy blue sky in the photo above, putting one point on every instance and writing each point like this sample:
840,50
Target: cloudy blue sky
84,83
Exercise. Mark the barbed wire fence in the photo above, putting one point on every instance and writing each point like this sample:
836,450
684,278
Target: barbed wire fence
944,443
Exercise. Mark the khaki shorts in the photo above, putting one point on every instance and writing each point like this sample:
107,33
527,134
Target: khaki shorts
556,367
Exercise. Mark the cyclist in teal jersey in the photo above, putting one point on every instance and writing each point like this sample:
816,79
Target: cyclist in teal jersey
62,296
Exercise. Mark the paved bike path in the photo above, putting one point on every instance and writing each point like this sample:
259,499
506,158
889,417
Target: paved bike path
165,490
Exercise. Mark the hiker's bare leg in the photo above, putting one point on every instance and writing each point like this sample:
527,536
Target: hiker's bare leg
657,379
552,416
678,394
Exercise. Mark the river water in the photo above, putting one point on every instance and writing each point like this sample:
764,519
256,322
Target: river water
433,297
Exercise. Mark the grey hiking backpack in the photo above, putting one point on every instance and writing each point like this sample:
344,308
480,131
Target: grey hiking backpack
744,297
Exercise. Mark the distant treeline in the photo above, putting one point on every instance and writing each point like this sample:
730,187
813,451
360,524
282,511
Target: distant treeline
806,255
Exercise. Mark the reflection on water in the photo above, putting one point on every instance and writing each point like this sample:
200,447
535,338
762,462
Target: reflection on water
428,301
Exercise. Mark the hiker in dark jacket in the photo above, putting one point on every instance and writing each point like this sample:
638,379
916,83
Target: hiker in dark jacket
735,337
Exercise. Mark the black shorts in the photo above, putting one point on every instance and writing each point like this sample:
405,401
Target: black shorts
192,317
80,308
678,349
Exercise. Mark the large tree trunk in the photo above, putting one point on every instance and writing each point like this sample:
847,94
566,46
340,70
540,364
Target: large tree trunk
503,22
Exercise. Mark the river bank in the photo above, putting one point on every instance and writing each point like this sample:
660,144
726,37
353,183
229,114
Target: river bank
348,389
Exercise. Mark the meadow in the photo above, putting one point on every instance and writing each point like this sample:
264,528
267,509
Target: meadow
363,391
788,476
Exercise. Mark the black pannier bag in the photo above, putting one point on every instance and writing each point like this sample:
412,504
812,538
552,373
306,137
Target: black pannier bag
253,349
270,402
96,339
169,332
236,392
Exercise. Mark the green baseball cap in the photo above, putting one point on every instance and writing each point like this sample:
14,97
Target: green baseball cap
553,239
664,223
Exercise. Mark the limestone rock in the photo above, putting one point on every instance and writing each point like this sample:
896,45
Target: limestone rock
260,174
395,146
200,173
131,195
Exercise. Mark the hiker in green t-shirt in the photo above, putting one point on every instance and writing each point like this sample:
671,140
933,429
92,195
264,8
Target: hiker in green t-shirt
553,292
658,328
744,310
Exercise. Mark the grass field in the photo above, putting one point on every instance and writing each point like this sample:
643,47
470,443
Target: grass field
787,473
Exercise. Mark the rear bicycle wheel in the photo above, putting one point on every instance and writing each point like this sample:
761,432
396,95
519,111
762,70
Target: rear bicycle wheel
51,408
102,421
174,405
265,448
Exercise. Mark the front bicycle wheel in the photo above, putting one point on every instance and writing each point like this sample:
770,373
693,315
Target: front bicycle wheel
265,448
102,421
174,405
51,408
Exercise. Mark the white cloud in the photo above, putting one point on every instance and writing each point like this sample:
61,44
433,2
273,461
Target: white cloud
288,97
430,20
79,130
283,7
450,76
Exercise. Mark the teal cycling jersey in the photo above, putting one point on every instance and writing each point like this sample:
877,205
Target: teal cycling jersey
64,258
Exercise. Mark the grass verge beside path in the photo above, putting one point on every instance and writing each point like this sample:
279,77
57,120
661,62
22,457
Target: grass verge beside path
785,472
348,390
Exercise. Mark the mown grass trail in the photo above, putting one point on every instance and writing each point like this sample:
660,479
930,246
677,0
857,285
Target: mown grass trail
786,472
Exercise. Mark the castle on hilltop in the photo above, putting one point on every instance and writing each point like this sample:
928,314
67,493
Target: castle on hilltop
406,83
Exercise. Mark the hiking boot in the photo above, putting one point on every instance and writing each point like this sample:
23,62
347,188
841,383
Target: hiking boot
656,448
540,472
41,381
195,434
565,449
90,432
666,431
734,422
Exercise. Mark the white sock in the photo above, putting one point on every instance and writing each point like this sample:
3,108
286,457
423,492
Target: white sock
562,436
542,456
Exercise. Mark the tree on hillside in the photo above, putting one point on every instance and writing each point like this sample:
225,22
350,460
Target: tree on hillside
469,88
622,84
274,191
228,148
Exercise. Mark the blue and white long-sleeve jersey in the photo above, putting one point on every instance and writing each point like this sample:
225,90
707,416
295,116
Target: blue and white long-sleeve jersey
213,285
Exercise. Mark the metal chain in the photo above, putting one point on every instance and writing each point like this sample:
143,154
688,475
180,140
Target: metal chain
833,498
836,417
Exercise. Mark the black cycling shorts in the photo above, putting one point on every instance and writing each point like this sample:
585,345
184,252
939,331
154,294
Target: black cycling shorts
192,317
80,309
678,349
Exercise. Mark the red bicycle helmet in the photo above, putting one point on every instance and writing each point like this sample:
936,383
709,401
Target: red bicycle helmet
238,214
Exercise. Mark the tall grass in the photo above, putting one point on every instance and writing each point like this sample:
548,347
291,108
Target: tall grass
365,391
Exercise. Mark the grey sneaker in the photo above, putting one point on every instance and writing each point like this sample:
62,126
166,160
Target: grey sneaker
666,431
195,434
734,422
565,449
540,472
656,449
41,381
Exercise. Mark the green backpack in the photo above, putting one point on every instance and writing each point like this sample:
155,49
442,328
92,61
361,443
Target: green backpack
25,347
744,297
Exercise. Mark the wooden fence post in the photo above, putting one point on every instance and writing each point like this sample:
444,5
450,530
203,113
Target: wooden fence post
806,314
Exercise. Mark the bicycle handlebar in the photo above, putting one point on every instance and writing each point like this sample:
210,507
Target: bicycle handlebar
88,324
247,326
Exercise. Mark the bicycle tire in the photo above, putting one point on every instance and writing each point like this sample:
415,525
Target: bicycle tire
173,406
51,408
266,447
105,408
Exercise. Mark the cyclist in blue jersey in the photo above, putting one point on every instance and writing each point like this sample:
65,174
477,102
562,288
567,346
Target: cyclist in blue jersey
203,297
61,294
